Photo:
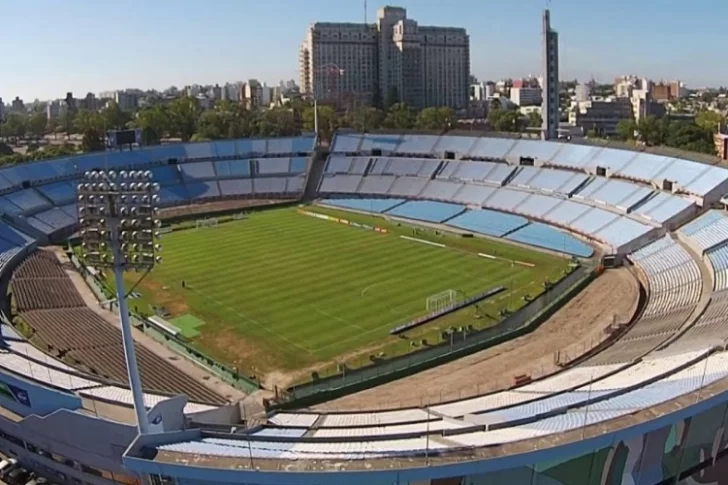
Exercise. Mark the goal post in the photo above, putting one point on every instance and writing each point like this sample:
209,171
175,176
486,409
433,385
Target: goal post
440,301
211,221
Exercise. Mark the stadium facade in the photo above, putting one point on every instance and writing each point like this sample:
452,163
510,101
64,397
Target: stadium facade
650,408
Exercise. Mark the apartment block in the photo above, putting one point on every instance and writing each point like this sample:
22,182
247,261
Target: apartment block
396,58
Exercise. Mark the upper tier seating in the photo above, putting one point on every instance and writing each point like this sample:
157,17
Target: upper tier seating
694,178
707,231
719,261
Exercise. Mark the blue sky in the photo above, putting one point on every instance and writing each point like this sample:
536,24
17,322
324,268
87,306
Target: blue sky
48,47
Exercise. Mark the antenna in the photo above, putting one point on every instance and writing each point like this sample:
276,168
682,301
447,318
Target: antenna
365,12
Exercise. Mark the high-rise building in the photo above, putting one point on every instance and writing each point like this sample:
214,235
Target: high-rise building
55,109
2,110
216,92
550,95
127,100
395,59
18,106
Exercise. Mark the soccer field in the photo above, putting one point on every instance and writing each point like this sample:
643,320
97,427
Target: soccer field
284,291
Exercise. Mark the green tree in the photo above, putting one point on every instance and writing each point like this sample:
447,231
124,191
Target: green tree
689,136
626,129
277,122
14,127
227,120
183,115
366,119
68,121
5,149
154,123
651,130
91,126
436,118
113,117
377,97
392,97
51,125
535,120
37,125
328,121
400,117
709,120
502,119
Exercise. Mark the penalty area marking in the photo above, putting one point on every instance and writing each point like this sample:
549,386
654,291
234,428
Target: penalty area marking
379,283
338,319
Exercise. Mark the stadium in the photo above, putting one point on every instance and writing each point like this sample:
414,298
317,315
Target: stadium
391,308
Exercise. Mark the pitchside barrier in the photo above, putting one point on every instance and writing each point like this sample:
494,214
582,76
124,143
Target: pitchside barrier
441,312
515,325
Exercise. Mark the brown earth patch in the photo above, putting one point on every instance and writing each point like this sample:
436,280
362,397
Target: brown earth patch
574,329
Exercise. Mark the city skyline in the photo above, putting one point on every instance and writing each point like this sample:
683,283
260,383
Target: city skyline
168,45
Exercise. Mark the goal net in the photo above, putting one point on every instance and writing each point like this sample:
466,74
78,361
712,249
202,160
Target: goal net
200,223
440,301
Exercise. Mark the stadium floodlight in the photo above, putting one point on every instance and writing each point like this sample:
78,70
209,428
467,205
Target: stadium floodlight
117,213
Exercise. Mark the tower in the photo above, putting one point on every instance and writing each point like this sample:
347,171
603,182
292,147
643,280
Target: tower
550,69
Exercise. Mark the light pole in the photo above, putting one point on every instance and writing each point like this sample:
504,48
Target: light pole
117,215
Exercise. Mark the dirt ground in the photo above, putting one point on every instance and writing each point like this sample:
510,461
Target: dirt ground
573,330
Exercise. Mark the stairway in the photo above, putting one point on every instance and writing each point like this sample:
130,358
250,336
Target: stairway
315,173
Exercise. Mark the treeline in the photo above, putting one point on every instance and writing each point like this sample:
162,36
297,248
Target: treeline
690,135
184,119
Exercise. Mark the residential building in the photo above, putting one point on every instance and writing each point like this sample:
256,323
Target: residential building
55,109
127,101
602,116
396,58
667,91
90,102
216,92
550,69
526,96
582,92
477,92
193,90
721,142
17,106
256,95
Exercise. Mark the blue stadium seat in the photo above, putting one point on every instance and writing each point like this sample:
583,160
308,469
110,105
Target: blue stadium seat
367,205
543,236
490,223
425,210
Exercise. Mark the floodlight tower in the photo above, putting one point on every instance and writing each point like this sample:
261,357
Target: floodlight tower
117,214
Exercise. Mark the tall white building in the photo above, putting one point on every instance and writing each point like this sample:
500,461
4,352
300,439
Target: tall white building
395,58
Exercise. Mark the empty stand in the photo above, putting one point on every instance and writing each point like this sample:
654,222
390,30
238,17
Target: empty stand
49,303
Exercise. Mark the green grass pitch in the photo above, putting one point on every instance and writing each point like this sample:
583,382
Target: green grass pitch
285,291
